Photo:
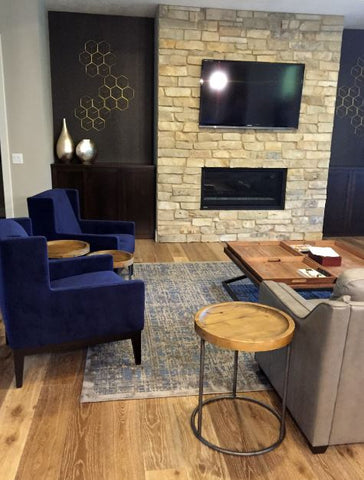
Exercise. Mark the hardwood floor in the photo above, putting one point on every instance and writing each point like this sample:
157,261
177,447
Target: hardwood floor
46,434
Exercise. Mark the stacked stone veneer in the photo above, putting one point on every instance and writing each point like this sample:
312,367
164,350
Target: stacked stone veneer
185,37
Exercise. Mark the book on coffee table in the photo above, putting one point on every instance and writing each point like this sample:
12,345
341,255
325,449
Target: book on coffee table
301,247
326,256
310,273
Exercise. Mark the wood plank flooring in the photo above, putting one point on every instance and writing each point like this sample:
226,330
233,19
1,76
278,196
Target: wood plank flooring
46,434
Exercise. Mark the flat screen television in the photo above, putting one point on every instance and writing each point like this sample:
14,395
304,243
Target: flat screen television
239,94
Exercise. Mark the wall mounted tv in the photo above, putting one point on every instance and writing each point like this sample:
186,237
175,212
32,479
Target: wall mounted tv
238,94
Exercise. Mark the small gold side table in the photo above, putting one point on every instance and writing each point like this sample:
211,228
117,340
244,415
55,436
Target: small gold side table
248,327
67,248
121,259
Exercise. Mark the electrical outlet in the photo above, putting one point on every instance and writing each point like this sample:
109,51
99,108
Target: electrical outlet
17,158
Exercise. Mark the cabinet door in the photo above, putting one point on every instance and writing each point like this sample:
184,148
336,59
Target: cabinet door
357,205
337,209
345,202
112,192
137,198
101,194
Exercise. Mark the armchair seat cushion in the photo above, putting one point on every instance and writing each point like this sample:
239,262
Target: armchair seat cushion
92,279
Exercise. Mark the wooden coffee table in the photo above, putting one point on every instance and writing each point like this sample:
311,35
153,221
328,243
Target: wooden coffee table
281,262
121,259
67,248
248,327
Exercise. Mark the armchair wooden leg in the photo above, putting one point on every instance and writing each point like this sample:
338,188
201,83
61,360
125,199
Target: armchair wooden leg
136,341
18,367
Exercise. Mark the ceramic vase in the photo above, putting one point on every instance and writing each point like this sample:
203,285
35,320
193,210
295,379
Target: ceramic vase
65,146
86,151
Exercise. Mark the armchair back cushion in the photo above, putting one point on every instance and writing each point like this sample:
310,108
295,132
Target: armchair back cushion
53,206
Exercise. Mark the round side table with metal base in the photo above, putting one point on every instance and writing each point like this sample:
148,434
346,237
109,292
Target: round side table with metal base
249,327
121,260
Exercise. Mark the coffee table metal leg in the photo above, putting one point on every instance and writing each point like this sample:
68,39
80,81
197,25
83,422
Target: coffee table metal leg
226,285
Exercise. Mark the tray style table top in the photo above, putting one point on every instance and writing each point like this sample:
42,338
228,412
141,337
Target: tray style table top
121,258
350,256
282,262
245,326
67,248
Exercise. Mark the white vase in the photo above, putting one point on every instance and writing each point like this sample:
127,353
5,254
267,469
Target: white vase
86,151
65,146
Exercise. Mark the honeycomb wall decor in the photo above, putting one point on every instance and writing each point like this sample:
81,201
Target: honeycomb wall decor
114,92
350,102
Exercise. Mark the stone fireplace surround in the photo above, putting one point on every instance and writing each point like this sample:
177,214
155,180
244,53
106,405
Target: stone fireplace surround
185,36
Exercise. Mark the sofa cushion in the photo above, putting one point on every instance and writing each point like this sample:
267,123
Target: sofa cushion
350,282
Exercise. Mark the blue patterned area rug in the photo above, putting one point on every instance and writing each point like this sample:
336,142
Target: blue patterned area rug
170,347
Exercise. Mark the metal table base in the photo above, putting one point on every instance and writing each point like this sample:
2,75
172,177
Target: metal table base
197,430
226,285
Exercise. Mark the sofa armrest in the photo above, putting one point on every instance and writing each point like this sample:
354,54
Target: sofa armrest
283,297
316,358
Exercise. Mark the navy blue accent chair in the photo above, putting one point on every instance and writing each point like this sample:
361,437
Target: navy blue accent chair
73,303
55,214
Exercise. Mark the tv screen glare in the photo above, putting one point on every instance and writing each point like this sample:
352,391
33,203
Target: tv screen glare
239,94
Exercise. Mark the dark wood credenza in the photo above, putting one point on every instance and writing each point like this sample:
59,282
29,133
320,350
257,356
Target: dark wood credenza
112,191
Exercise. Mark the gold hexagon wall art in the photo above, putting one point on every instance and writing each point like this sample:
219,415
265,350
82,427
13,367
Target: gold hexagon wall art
114,92
350,102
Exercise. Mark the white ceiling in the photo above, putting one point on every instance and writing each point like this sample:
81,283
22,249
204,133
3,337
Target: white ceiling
352,10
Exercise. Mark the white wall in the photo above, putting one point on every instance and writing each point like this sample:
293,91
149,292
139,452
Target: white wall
24,38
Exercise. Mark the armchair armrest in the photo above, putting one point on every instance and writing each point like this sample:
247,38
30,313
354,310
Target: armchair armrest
76,266
107,309
107,226
97,242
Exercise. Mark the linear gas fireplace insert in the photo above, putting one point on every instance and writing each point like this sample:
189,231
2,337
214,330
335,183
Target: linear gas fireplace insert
243,188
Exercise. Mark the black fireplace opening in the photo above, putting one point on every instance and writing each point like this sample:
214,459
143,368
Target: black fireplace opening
243,188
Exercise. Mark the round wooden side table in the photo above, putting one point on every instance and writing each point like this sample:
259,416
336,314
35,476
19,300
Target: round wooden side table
121,259
248,327
67,248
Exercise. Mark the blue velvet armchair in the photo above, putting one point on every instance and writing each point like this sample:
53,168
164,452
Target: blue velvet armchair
64,304
55,214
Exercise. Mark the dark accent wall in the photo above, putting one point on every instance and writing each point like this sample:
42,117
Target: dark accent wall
347,147
345,188
102,83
